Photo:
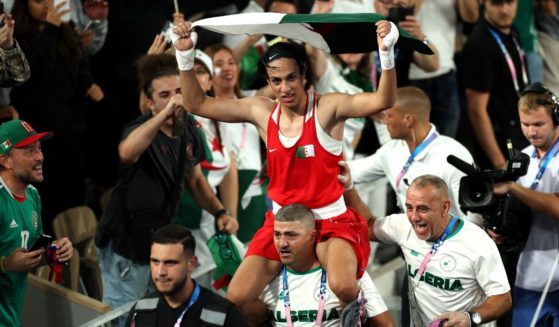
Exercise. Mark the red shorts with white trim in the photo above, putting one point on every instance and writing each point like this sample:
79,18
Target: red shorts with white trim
349,226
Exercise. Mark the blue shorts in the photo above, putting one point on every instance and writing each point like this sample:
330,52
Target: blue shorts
524,307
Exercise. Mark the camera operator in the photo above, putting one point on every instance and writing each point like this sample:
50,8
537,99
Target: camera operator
538,189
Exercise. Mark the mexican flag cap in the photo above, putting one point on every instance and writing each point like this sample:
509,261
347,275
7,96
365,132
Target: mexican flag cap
18,134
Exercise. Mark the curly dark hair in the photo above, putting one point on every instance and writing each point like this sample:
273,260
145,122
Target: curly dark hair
154,66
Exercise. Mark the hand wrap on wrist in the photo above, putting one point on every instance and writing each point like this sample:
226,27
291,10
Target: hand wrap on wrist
387,56
185,59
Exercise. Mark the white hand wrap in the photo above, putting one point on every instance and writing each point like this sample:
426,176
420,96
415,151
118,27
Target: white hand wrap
387,56
185,59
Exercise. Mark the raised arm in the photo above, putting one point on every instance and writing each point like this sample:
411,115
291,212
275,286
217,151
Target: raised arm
131,148
196,101
366,104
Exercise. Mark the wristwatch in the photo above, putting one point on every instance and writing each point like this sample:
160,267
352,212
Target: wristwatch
475,318
221,212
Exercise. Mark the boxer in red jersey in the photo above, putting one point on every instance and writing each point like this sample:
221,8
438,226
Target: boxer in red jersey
303,133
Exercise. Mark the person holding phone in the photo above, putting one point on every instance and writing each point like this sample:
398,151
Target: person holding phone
14,68
21,164
90,18
62,87
402,13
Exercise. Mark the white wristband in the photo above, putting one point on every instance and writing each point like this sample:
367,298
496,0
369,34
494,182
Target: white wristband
185,59
387,56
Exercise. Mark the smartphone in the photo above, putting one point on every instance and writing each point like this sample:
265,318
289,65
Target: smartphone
398,14
66,17
42,242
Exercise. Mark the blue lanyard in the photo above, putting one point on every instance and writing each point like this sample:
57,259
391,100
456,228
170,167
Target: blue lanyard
546,159
414,154
509,60
436,247
192,300
287,303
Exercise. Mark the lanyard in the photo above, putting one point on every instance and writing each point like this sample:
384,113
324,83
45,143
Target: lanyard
192,300
287,303
434,249
414,154
508,58
546,159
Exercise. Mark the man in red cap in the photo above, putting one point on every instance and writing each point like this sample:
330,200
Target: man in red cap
21,163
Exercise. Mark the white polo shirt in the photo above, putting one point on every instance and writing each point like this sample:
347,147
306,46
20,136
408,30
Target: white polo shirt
542,245
304,291
391,157
465,270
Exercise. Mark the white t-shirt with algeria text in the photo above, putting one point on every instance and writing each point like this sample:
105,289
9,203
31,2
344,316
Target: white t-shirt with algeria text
304,291
460,276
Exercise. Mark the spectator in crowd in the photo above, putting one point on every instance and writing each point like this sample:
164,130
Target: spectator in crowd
538,189
524,23
416,149
220,172
547,25
439,21
21,165
300,164
245,143
494,75
407,20
455,274
180,300
302,282
59,84
154,167
90,19
14,68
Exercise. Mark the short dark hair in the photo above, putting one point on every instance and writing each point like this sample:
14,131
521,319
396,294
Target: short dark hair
431,180
175,234
295,212
285,50
154,66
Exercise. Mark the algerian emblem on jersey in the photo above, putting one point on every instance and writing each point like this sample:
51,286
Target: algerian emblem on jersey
448,263
305,151
35,219
316,293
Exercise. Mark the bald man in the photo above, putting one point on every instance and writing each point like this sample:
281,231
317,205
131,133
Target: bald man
453,269
416,149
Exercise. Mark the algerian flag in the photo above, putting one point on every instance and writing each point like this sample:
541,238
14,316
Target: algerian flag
334,33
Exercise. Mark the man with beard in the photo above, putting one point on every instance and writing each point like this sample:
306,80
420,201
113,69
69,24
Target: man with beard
302,282
21,164
454,270
494,75
180,301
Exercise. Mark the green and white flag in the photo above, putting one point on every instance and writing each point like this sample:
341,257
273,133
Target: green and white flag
334,33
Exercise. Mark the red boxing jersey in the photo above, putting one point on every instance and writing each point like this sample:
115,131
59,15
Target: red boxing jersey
304,173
